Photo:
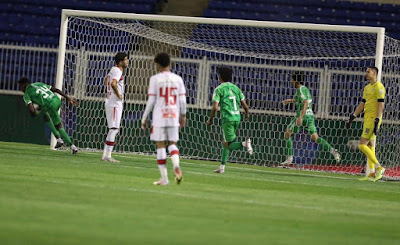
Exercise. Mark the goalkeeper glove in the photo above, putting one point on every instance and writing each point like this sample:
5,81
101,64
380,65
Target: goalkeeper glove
376,126
348,124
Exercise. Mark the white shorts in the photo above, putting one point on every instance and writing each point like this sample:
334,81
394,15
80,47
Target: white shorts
113,116
164,133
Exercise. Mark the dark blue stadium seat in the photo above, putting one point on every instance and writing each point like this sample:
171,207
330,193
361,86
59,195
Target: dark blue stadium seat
40,19
310,11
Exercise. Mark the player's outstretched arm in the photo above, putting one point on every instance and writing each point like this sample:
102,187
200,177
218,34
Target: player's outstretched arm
246,108
288,101
71,100
212,114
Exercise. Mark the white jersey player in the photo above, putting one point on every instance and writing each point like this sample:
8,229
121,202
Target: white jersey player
167,95
114,103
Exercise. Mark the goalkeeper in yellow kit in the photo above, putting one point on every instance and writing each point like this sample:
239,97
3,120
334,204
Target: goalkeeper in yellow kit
372,104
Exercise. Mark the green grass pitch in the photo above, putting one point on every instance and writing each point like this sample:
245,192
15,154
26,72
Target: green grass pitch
53,197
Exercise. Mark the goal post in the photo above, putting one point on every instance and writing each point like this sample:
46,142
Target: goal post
262,54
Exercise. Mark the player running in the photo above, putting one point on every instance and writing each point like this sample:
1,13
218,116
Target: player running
304,118
229,97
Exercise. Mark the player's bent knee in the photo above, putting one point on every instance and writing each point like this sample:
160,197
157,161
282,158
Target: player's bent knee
314,137
288,134
226,144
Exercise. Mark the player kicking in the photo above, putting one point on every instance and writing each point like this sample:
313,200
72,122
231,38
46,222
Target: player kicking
229,97
167,94
304,118
114,103
44,96
372,104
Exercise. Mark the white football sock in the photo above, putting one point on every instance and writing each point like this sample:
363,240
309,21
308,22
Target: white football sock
109,145
161,161
163,171
174,153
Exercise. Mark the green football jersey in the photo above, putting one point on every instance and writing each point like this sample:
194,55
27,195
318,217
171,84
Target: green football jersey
40,94
303,94
228,96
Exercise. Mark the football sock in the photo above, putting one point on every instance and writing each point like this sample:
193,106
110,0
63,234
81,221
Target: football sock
174,153
289,147
225,154
53,129
370,155
109,145
325,145
377,165
108,148
161,160
65,137
163,171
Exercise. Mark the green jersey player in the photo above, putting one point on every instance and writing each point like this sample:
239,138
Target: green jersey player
44,96
229,97
304,119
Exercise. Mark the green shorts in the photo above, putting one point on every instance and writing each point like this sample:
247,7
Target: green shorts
51,110
229,130
308,124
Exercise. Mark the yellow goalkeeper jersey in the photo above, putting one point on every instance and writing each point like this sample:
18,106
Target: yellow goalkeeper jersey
371,96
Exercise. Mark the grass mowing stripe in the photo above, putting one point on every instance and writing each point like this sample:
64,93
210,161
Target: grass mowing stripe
51,197
201,197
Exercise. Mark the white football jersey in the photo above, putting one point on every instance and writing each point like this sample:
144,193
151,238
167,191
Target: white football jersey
112,99
167,87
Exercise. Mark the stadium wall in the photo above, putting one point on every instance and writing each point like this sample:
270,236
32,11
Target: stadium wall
16,124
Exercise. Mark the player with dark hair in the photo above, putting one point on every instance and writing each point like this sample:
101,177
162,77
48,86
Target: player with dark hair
373,103
162,59
167,95
114,103
304,119
44,96
229,97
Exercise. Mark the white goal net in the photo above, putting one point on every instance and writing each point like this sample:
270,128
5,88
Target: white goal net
263,55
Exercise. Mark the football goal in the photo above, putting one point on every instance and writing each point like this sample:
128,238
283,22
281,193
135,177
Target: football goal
263,55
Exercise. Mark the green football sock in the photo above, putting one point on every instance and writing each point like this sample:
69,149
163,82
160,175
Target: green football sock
65,137
289,147
53,129
235,146
225,154
324,144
